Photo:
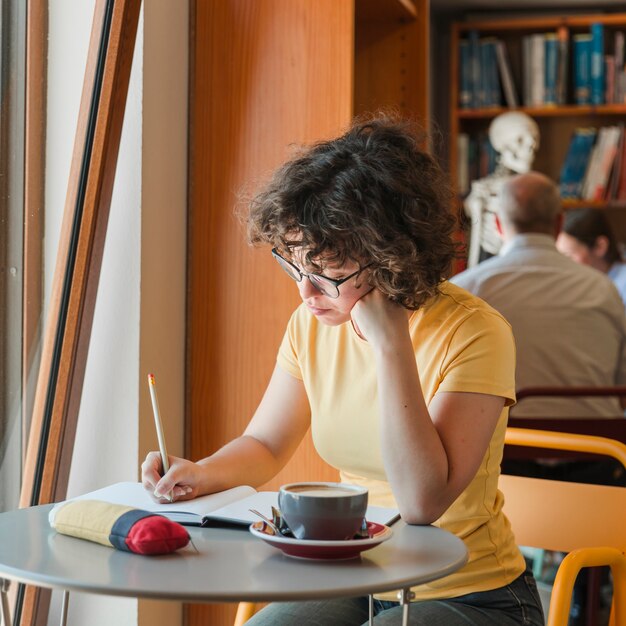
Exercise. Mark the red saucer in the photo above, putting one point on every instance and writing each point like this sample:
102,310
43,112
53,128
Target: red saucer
317,549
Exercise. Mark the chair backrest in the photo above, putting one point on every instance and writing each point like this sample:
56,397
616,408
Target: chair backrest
611,427
565,516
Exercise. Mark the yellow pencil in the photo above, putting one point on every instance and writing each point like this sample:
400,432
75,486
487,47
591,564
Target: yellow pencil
159,426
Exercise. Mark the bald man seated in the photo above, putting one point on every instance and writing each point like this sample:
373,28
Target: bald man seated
568,320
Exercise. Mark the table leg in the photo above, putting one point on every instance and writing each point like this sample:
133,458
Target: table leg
371,609
64,606
405,596
4,600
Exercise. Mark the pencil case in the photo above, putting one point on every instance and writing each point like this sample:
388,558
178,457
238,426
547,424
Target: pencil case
118,526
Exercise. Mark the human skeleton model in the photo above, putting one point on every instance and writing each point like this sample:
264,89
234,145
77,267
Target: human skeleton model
515,136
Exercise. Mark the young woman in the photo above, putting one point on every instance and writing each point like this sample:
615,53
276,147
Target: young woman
587,238
404,379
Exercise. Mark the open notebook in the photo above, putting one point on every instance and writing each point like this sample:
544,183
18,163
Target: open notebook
226,507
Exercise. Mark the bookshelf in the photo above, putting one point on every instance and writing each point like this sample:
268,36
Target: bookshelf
558,120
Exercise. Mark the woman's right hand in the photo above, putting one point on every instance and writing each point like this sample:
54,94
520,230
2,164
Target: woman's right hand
181,482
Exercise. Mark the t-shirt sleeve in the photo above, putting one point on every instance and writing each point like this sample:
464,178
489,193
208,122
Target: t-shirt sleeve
481,358
287,357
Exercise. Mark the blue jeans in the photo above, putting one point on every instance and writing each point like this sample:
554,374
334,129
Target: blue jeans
512,605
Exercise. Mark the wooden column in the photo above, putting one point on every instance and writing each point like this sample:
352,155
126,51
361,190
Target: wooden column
265,75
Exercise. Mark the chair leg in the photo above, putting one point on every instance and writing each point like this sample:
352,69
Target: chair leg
245,611
594,575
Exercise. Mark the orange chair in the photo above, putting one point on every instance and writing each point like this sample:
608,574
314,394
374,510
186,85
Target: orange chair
587,521
245,611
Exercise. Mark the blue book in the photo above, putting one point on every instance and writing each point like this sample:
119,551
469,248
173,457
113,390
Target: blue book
551,61
597,64
484,98
490,82
582,69
575,163
474,54
465,75
494,82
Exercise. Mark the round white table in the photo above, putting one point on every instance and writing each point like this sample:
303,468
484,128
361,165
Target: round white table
227,565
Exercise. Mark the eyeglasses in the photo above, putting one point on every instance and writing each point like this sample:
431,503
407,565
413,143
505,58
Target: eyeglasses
328,286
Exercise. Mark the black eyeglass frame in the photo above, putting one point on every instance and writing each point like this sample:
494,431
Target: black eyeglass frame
335,282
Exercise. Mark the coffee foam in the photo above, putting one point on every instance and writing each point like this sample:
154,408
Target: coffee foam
322,491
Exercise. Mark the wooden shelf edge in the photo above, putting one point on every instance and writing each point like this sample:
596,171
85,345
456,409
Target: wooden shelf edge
546,111
594,204
376,10
572,21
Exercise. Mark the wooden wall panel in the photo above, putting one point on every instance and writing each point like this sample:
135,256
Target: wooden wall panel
391,68
265,75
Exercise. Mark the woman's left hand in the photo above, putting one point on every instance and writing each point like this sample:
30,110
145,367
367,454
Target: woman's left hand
378,319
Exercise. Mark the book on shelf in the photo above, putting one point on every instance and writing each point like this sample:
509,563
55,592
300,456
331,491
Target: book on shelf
474,67
462,167
563,64
229,508
609,82
526,72
506,76
596,73
537,69
612,187
484,88
582,66
620,193
619,69
551,71
575,163
465,78
606,160
601,163
479,81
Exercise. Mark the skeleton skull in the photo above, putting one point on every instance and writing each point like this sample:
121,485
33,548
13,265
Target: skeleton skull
515,136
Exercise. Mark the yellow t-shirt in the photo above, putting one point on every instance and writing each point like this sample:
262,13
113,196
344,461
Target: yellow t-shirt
461,344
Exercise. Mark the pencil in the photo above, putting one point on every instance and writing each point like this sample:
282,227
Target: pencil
159,426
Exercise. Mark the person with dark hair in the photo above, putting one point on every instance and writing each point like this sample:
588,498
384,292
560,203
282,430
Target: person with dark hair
587,238
404,379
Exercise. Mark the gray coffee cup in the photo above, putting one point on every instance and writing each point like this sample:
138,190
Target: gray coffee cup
319,510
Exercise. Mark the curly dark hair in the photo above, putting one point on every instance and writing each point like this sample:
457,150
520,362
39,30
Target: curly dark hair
586,225
372,196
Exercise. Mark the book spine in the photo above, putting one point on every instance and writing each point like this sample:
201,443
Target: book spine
474,46
567,178
591,175
462,167
527,70
465,75
597,64
551,54
584,158
484,97
575,163
618,67
621,183
609,73
506,77
617,165
582,62
605,163
563,64
496,87
538,69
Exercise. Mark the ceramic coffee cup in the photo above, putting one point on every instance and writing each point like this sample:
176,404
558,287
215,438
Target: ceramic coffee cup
329,511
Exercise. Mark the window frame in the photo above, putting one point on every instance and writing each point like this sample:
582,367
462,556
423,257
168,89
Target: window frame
79,259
